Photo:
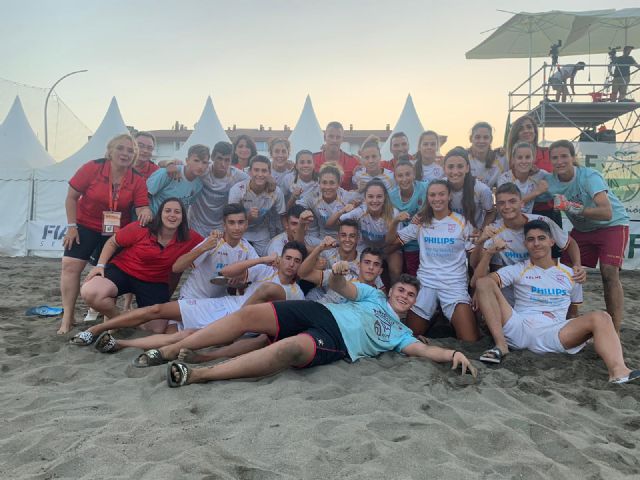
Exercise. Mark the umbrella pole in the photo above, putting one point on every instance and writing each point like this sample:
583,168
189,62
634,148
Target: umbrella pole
530,52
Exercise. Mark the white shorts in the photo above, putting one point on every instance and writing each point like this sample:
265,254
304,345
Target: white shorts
536,332
428,299
200,312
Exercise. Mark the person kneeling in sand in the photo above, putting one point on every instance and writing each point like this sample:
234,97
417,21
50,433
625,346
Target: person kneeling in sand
543,289
308,333
270,278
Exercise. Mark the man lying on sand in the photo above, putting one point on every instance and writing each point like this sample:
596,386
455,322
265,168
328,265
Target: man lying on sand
307,333
271,278
543,289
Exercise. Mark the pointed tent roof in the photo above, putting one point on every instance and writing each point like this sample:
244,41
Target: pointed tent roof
19,146
112,124
410,124
208,131
307,133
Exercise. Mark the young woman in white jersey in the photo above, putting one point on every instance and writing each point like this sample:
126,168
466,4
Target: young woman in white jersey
371,168
326,202
302,179
486,164
444,238
426,166
529,180
374,218
469,197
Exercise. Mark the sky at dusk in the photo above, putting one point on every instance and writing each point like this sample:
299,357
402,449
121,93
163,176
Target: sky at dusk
259,59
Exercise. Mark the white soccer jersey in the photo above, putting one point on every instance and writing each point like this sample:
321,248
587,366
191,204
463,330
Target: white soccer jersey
386,177
372,230
288,183
322,210
516,250
277,243
207,266
205,215
526,187
443,250
539,290
432,172
488,176
264,202
481,196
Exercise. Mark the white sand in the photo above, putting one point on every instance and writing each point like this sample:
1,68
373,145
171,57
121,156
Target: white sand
70,412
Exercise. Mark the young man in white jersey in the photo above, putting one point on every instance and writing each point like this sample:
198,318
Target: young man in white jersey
206,213
215,253
307,334
502,242
267,279
291,225
543,289
366,270
259,196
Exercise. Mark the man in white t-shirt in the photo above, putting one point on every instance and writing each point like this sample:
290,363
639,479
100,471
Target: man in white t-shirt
544,288
267,278
558,80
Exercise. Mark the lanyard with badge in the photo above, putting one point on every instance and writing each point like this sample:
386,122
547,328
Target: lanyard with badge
111,218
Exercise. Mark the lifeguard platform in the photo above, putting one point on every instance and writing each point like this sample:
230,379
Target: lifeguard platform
587,110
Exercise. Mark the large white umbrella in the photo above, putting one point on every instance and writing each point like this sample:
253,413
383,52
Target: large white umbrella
529,35
599,33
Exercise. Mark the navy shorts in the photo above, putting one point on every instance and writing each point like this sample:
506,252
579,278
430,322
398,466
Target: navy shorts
91,243
147,293
296,317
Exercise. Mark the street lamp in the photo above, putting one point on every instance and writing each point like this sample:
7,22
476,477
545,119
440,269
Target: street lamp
46,103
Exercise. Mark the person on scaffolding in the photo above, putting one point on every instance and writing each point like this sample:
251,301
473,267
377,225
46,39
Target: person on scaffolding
558,81
622,74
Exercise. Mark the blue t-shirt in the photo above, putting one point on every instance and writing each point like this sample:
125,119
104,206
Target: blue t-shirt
412,206
368,325
584,185
161,187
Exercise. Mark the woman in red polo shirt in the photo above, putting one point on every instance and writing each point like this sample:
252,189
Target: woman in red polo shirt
144,264
101,197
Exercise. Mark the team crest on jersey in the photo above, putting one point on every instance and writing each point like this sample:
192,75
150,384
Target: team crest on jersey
561,278
451,228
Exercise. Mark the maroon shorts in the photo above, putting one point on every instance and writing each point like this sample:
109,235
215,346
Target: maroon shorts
604,244
411,262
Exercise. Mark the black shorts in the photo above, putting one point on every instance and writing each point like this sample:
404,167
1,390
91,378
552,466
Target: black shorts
90,243
147,293
295,317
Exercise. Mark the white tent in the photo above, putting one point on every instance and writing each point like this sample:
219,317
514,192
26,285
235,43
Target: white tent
51,183
208,131
307,134
20,151
410,124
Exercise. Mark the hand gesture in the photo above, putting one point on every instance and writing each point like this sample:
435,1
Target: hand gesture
253,213
416,219
487,232
306,217
328,242
542,187
173,172
272,260
498,245
70,237
211,241
348,207
460,360
340,268
401,217
579,274
297,191
145,216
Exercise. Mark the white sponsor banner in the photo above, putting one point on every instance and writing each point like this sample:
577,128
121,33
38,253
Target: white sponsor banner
45,236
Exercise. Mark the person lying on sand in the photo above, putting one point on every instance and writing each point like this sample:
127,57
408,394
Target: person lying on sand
308,333
543,290
271,278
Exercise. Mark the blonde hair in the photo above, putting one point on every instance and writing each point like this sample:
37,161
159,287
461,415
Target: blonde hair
112,145
331,168
370,141
387,206
276,141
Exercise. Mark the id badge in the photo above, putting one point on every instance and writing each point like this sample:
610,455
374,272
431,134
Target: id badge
110,222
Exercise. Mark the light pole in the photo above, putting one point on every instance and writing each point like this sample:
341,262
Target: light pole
46,103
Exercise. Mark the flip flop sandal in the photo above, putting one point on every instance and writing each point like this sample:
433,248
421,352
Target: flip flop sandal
178,377
150,358
634,375
83,339
493,355
105,343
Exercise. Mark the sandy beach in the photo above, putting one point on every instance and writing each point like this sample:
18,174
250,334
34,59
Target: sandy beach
70,412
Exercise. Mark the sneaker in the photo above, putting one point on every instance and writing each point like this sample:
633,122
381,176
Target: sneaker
91,316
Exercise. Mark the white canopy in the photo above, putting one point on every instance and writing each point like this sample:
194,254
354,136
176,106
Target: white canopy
599,33
208,131
410,124
307,134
